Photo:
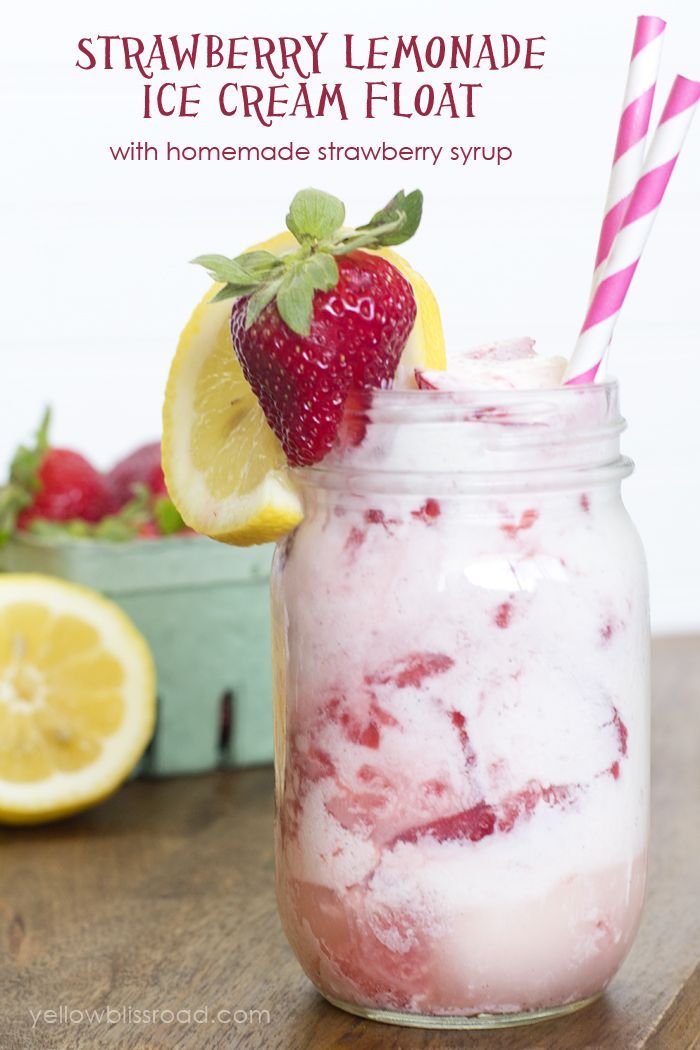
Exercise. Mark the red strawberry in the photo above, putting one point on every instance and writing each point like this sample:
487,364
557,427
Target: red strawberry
51,484
358,331
142,467
314,326
473,824
69,487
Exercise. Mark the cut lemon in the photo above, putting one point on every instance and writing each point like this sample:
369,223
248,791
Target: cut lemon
77,698
224,468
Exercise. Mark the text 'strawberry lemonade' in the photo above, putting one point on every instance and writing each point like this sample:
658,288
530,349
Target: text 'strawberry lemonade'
460,613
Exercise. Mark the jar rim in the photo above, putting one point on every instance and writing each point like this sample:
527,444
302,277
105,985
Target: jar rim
487,437
387,405
563,388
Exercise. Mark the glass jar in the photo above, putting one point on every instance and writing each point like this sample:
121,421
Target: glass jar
461,673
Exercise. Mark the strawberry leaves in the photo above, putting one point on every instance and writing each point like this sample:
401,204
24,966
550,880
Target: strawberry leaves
291,281
295,298
24,482
315,216
403,213
240,276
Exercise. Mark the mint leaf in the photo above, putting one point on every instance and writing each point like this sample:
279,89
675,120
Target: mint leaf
168,517
315,216
398,220
295,301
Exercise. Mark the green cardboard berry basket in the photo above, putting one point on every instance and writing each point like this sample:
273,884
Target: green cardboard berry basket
203,608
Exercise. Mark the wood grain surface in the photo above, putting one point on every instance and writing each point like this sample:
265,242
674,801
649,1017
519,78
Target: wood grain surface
162,899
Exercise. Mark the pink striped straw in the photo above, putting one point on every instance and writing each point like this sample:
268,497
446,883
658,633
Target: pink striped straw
633,233
632,132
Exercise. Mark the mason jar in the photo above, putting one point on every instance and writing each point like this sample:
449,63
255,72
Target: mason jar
461,665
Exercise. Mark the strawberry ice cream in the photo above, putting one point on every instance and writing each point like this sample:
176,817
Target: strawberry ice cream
511,364
461,670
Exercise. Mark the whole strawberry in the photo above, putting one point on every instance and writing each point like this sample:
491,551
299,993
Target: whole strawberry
68,487
141,467
52,484
358,331
312,326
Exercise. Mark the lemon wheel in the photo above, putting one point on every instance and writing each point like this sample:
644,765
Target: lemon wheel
77,698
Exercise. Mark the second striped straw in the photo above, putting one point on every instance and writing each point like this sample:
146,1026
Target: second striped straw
633,233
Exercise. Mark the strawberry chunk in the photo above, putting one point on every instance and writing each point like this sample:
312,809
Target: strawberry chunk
356,537
356,728
473,824
522,804
413,670
369,737
313,765
460,724
428,512
621,729
527,520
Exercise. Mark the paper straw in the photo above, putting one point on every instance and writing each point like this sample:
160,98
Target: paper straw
633,233
632,132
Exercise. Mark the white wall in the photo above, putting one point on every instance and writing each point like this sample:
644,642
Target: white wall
95,282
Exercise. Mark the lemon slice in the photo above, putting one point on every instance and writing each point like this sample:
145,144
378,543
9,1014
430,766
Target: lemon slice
77,698
425,348
224,467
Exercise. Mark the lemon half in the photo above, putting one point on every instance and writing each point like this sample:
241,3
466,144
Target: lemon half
224,467
77,698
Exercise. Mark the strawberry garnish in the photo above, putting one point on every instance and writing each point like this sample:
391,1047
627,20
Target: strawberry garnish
315,325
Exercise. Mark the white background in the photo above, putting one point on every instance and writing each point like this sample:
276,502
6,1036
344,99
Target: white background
95,282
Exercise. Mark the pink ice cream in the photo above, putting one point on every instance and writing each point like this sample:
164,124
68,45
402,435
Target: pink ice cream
463,761
509,365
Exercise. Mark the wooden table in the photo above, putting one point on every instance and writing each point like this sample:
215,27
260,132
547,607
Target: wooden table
162,898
